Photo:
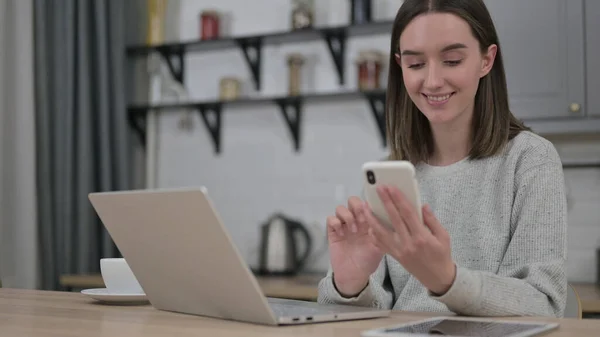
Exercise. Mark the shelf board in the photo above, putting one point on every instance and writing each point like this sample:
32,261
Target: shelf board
289,106
143,108
292,36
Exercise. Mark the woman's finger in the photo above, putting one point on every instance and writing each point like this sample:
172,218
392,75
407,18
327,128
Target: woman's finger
374,240
392,210
334,226
433,223
356,206
380,232
346,217
408,213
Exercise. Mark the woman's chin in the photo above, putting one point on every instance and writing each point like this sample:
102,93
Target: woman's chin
440,116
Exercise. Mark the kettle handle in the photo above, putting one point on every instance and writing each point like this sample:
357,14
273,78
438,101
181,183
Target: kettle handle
300,260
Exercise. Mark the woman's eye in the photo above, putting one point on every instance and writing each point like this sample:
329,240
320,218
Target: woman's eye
453,63
415,65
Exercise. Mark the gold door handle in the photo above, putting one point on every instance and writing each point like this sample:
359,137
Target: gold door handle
575,107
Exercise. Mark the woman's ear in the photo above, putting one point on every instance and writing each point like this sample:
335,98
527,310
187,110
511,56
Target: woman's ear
398,59
488,60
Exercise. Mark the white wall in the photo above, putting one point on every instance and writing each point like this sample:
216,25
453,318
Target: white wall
258,173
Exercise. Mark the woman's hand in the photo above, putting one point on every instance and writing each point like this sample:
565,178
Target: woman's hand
353,256
422,249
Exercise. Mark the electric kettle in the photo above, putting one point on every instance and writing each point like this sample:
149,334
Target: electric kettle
279,247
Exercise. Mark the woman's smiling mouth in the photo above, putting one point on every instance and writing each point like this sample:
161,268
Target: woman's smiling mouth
438,99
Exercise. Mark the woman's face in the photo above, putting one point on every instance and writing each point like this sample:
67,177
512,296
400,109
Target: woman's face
441,66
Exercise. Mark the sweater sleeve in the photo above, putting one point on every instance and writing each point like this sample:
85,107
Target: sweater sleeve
377,294
531,280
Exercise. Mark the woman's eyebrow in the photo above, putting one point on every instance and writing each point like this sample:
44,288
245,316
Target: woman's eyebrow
445,49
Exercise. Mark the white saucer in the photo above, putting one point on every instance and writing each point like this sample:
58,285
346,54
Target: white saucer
103,295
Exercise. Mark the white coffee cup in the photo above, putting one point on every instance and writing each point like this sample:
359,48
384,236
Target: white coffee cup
118,277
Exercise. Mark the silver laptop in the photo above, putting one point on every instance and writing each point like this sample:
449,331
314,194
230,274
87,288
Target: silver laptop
186,262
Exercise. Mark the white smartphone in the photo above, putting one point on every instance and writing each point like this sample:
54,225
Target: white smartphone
400,174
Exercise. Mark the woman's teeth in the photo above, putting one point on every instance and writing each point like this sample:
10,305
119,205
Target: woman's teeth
438,98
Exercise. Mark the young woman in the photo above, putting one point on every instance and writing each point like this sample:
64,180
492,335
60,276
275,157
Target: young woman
493,241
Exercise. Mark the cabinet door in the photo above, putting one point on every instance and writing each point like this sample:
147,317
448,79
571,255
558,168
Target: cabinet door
592,15
543,51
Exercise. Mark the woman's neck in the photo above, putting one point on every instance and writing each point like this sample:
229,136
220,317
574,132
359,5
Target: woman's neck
452,143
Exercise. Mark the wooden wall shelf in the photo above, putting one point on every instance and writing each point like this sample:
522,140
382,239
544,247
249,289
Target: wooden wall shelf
251,46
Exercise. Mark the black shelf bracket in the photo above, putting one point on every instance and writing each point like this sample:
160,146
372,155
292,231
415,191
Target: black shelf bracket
377,104
137,120
175,61
336,43
212,117
252,50
291,109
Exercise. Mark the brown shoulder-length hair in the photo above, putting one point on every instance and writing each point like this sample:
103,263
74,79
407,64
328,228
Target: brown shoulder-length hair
408,130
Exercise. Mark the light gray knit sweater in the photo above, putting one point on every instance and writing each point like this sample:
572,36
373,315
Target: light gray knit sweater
507,219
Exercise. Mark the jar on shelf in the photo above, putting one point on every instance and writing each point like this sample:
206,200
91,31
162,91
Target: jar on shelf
303,14
295,62
360,11
209,24
156,21
369,66
229,88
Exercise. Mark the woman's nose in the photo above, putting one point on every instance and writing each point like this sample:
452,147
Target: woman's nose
434,78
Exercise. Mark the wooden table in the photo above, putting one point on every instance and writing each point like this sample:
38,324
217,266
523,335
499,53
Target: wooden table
36,313
302,287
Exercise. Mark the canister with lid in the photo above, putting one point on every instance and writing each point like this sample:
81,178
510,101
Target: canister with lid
360,11
303,13
369,67
295,62
229,88
209,24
